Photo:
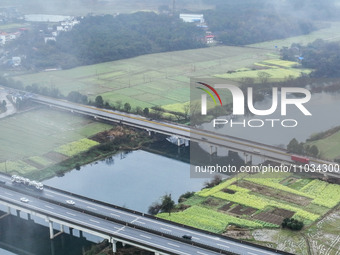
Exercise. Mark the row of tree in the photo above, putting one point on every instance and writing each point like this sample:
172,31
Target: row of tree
302,148
155,112
321,56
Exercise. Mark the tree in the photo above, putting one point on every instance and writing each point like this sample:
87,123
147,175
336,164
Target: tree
314,151
185,196
186,110
217,179
146,111
167,204
154,208
99,101
74,96
292,224
139,110
157,111
293,145
127,107
263,77
118,104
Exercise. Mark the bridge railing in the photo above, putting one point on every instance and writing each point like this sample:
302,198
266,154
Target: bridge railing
39,195
133,225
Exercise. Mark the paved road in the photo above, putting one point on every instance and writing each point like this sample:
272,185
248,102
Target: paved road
127,232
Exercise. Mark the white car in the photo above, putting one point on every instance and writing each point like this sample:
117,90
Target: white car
24,199
70,202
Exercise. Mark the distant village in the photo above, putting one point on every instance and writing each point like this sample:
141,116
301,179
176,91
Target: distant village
57,24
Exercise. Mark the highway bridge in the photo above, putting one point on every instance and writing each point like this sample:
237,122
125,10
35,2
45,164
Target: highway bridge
117,224
266,152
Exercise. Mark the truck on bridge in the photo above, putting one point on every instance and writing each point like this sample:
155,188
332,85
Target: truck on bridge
27,182
300,159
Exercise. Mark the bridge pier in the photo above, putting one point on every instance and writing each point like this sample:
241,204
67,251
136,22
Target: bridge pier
212,151
5,215
18,213
52,235
245,158
114,245
50,224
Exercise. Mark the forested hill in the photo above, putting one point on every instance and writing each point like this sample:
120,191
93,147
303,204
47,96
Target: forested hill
107,38
100,39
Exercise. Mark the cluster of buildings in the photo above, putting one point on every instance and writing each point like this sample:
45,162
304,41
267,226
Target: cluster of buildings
198,19
59,23
55,25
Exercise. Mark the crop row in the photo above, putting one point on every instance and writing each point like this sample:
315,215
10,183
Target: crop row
207,219
243,199
237,188
223,185
213,190
261,203
76,147
325,194
314,188
272,183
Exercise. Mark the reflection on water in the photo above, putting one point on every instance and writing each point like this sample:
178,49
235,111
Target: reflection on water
134,180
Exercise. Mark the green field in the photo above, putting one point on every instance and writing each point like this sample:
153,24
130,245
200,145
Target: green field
263,201
28,138
150,80
329,147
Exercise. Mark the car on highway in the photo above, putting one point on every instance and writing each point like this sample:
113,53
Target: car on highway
24,199
70,202
188,237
